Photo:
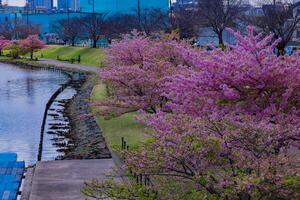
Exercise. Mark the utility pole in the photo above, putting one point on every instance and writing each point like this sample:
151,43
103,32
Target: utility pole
94,24
15,27
93,6
171,12
139,11
68,10
27,13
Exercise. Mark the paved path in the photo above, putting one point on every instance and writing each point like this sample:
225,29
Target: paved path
68,65
62,180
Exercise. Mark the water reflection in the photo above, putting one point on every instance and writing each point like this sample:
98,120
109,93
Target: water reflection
23,96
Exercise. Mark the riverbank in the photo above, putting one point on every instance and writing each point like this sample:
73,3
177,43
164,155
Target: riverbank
85,138
116,128
88,56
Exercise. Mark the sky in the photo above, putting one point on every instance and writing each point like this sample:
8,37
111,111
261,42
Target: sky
17,2
22,2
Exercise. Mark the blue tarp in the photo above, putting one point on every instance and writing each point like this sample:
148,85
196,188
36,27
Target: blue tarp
8,157
11,173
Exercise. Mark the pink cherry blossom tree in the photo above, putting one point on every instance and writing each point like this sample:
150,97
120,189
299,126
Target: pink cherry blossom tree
230,128
31,44
14,48
136,68
3,43
234,130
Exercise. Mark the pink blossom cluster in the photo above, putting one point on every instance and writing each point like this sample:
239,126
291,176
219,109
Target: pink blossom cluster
230,124
29,45
136,69
3,43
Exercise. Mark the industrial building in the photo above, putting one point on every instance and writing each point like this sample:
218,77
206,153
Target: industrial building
41,12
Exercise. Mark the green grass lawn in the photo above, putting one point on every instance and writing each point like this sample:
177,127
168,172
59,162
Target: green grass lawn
116,128
89,56
5,57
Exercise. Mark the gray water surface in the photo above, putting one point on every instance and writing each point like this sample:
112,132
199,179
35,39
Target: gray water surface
23,95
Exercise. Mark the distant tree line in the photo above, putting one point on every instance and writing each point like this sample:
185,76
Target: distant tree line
17,29
93,26
277,18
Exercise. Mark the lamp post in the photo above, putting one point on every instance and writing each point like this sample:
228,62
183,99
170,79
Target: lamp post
139,11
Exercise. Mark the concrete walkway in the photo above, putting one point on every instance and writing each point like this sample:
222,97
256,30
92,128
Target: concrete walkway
68,65
62,180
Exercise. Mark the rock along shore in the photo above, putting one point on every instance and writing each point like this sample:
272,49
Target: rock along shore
86,137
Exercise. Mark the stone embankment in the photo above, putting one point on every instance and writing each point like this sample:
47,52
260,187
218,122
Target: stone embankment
86,138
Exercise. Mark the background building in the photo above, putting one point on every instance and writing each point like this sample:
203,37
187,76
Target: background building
40,5
64,5
41,12
121,6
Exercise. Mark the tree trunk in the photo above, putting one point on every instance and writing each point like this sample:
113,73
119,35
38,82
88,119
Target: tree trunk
281,51
73,42
221,41
281,47
31,55
95,43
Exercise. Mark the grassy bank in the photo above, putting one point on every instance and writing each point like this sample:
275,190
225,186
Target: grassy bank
89,56
116,128
4,58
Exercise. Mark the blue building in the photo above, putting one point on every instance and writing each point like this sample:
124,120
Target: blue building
65,5
121,6
40,4
45,19
5,17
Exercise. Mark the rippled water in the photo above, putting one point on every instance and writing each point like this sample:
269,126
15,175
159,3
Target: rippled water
23,96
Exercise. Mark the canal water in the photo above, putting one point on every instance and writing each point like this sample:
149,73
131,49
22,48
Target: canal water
24,94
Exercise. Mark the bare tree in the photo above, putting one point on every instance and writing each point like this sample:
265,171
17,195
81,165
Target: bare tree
148,21
17,29
24,30
94,25
68,29
121,24
7,30
186,22
152,20
279,18
219,14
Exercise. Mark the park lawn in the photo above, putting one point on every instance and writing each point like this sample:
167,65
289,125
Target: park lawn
5,57
89,56
116,128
